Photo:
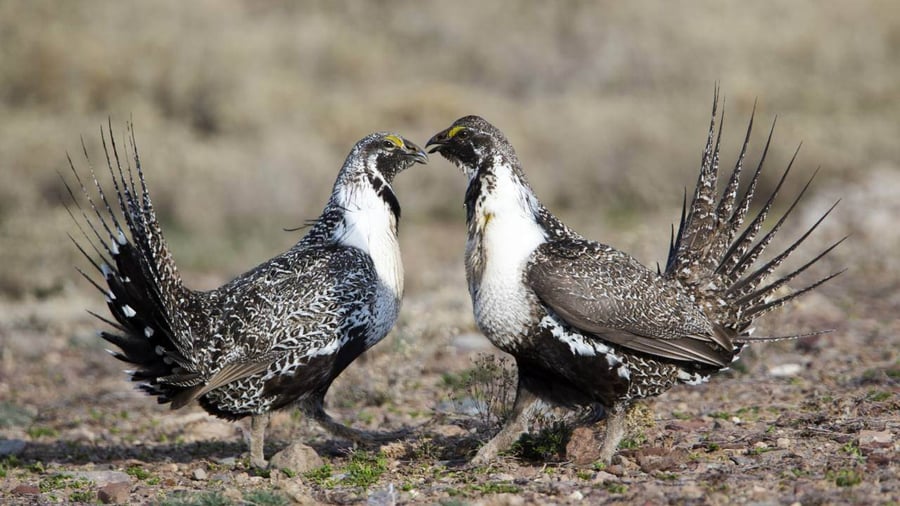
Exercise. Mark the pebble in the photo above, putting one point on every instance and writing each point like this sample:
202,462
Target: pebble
785,370
384,497
576,496
222,477
199,474
114,493
225,461
11,447
583,447
869,439
783,442
603,476
26,490
297,457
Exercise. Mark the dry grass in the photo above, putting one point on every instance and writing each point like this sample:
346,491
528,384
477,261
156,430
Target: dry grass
244,110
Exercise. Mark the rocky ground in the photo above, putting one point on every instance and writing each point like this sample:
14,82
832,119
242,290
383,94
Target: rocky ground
807,422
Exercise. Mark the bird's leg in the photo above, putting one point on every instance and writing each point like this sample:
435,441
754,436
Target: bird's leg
615,431
517,424
258,424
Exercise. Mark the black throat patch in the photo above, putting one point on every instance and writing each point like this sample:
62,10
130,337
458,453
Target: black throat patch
384,191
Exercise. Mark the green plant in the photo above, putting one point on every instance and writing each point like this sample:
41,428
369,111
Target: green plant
845,477
137,472
82,496
853,450
549,442
634,441
614,487
265,498
321,475
878,395
37,431
365,468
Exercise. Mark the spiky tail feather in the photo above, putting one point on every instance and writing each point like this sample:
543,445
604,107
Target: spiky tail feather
713,249
144,291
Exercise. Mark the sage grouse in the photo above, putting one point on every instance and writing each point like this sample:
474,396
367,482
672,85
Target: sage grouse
587,324
273,337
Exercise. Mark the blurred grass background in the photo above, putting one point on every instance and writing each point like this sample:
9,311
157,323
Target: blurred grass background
244,111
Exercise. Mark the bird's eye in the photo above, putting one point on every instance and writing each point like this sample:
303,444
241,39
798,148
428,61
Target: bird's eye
388,144
462,135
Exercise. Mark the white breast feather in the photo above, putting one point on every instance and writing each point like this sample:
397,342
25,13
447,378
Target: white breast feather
510,235
370,226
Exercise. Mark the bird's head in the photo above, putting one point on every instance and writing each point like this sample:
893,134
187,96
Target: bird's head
473,144
385,154
372,164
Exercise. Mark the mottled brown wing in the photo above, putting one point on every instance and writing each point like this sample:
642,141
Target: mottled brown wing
604,292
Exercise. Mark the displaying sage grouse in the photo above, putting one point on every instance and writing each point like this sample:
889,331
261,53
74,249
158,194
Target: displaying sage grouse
273,337
587,324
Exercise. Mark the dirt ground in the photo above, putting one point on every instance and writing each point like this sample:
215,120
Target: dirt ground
807,422
245,109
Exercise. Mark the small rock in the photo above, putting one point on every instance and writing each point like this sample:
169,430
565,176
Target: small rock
114,493
603,476
652,459
199,474
225,461
502,477
11,447
169,468
576,496
760,445
101,478
741,460
783,443
869,439
222,477
297,457
583,447
26,490
785,370
383,497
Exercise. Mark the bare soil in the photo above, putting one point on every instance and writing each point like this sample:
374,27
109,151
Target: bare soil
807,422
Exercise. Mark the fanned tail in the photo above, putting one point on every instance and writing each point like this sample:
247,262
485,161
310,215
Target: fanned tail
143,291
715,250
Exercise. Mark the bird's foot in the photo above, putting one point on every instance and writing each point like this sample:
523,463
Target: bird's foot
258,462
486,454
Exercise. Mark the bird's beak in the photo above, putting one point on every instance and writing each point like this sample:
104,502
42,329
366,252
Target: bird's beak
413,151
439,140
